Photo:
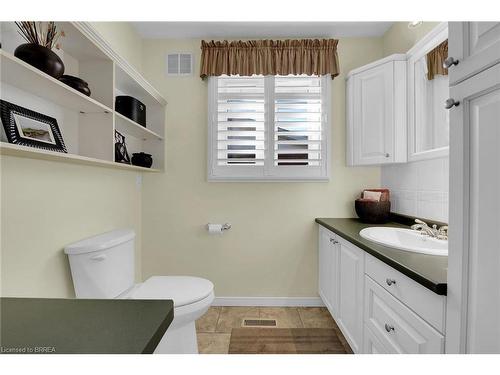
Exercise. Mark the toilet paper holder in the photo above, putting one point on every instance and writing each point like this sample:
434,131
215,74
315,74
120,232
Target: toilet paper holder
225,226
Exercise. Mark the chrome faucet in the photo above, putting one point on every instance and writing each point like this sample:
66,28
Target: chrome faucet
440,233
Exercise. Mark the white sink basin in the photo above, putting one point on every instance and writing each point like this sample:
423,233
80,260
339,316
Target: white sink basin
405,239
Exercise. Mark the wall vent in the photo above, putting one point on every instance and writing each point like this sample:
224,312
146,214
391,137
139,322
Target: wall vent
179,64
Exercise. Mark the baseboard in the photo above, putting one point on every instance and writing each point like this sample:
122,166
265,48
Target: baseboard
269,301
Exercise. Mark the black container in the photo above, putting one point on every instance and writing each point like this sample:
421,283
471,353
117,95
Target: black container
77,83
373,212
131,108
41,58
142,159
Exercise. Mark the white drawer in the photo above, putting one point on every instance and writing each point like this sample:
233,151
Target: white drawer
398,329
429,305
371,344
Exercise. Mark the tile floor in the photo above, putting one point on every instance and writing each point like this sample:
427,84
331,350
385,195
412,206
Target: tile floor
214,328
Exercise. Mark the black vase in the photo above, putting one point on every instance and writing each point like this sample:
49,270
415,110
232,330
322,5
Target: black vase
41,58
142,159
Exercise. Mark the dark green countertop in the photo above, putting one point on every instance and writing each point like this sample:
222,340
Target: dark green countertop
89,326
428,270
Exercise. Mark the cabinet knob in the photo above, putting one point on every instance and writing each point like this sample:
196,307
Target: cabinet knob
388,327
450,103
390,281
387,155
449,62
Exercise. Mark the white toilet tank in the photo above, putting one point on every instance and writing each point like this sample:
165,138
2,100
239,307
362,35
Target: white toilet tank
103,266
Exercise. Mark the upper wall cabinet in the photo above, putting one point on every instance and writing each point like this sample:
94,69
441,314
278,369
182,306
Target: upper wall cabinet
376,112
475,48
428,119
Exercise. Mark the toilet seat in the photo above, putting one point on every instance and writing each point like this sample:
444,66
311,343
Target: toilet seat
183,290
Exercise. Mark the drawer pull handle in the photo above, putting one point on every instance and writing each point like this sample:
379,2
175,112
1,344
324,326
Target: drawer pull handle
388,328
450,61
390,281
334,241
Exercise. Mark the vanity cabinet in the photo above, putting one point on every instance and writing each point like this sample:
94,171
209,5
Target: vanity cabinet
377,308
376,112
474,47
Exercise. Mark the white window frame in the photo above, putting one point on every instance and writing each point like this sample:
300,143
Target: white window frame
269,172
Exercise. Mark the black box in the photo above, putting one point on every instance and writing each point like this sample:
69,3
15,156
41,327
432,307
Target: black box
132,108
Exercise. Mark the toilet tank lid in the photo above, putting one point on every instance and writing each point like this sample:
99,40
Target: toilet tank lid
100,242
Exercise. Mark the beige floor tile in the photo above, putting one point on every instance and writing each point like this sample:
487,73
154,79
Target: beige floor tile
316,317
208,322
286,317
213,343
232,317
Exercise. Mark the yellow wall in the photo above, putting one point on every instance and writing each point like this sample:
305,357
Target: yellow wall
123,39
399,38
47,205
271,249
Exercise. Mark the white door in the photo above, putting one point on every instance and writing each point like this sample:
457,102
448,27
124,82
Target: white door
373,115
350,310
474,46
474,306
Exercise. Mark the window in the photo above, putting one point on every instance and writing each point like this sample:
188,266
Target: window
268,128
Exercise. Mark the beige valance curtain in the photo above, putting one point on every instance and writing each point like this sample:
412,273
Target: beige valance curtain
435,59
270,57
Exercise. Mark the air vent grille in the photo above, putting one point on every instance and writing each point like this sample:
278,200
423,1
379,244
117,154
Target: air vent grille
259,323
179,64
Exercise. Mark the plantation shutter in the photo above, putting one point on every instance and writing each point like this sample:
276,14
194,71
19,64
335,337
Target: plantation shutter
240,121
272,127
298,121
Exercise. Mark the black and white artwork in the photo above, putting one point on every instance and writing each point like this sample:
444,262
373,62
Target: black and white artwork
29,128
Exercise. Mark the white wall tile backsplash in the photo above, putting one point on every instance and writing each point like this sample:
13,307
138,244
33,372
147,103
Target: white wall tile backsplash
419,188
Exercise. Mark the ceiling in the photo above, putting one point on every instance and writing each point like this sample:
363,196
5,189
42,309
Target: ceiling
218,30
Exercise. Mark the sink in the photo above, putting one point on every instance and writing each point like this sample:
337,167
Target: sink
406,240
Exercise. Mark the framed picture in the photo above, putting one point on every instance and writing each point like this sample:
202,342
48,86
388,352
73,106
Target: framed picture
29,128
121,153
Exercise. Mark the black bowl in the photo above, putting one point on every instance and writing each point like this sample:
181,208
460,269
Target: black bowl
373,212
77,83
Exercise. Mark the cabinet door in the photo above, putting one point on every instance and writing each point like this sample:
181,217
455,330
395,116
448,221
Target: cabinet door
373,115
350,310
477,117
325,267
328,270
475,45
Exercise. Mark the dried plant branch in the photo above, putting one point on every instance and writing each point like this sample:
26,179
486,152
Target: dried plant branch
38,34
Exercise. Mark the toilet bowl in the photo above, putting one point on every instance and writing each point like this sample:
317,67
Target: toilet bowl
192,297
104,267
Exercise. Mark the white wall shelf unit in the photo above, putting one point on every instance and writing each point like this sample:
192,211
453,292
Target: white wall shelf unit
28,78
125,125
86,123
9,149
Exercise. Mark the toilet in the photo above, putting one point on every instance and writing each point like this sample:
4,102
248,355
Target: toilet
104,267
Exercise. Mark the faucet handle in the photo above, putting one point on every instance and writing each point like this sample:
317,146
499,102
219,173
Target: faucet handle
443,232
